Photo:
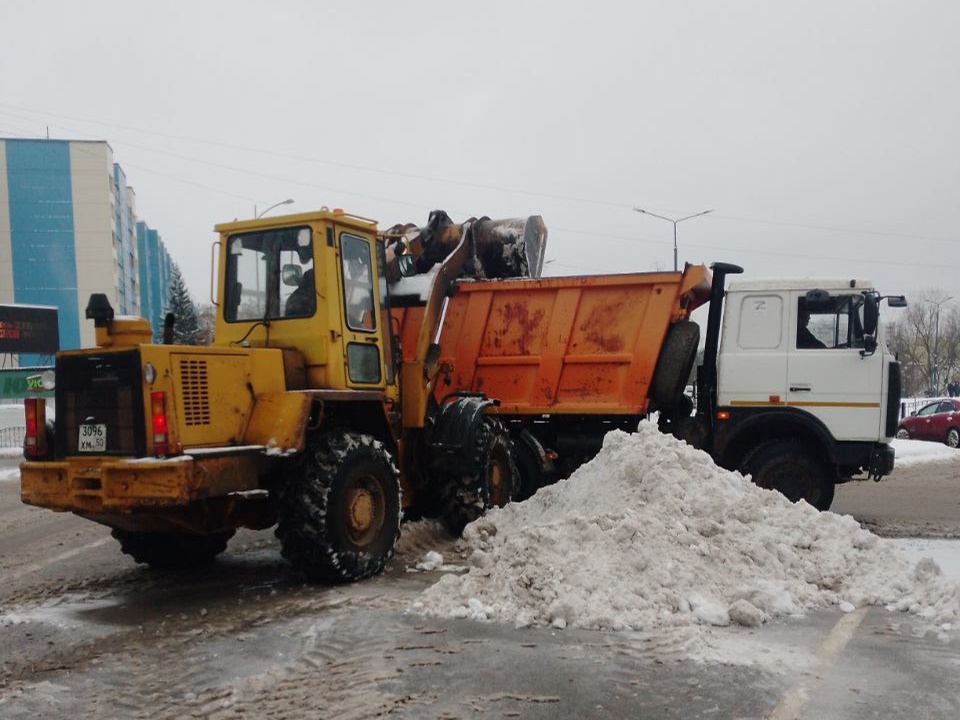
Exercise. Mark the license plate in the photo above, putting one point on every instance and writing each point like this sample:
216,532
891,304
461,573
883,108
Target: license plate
93,438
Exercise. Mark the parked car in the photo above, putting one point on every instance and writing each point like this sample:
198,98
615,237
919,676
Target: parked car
938,420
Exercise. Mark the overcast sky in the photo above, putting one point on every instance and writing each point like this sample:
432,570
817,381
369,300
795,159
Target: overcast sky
825,136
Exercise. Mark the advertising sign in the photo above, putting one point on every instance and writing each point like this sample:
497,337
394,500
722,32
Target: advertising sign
29,329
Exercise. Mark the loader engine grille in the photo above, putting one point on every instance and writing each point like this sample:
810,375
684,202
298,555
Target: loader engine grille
101,389
195,392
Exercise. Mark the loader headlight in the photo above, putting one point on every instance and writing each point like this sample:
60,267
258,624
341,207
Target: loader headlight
149,373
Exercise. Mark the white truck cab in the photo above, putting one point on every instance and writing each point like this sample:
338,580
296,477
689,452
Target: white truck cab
806,393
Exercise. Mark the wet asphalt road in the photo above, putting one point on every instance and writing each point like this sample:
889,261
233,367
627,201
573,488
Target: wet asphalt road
84,632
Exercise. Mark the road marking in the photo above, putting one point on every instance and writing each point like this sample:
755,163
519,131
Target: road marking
794,701
34,567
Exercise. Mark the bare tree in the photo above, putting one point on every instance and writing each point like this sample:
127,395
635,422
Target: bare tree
927,342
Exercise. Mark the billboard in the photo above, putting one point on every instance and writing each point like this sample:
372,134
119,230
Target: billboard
18,383
29,329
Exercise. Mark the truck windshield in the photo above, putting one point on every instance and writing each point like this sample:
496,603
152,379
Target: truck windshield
270,275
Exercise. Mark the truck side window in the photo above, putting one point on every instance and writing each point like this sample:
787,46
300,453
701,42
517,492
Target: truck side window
761,322
357,270
834,323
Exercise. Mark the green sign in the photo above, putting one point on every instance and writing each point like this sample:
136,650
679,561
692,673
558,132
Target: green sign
18,383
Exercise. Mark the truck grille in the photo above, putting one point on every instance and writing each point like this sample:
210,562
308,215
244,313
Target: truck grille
195,392
100,388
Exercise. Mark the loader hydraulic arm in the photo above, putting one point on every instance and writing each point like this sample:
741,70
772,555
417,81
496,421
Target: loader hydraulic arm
417,374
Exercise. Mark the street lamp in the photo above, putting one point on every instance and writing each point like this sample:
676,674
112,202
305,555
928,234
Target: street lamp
288,201
671,220
936,345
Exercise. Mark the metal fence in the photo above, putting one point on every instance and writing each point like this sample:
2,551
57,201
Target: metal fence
12,437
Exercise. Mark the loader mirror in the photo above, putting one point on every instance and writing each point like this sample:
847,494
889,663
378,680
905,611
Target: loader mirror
407,265
871,314
291,275
897,301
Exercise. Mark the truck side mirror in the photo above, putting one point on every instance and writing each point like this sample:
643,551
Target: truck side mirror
871,315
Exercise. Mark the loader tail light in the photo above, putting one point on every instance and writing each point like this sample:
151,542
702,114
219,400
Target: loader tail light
158,419
35,437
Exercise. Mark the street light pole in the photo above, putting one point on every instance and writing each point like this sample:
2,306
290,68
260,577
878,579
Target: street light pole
671,220
936,345
288,201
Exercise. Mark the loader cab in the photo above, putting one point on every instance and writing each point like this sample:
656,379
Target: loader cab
313,284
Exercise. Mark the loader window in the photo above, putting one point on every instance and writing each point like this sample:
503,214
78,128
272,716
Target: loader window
363,363
357,267
270,275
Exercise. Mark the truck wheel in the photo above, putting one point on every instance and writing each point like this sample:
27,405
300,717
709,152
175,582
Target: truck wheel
467,497
674,364
786,466
339,513
531,459
172,551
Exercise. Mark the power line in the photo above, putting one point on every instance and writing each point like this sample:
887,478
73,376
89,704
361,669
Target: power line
326,188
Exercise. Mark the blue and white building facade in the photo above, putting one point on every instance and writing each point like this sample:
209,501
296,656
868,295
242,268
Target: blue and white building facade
68,228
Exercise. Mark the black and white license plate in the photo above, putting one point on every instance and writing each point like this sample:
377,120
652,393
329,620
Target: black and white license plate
93,438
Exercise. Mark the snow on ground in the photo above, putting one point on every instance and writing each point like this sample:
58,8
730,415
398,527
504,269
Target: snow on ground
946,553
912,452
652,534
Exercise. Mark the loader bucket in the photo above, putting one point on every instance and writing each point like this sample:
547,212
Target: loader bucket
511,248
500,248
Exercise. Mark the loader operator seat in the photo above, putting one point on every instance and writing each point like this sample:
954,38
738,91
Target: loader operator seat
302,301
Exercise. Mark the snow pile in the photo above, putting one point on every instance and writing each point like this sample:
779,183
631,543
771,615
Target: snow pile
651,534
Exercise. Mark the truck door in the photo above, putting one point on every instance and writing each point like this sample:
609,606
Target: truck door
827,375
752,364
363,346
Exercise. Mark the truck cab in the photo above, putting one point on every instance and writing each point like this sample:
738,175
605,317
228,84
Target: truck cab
806,361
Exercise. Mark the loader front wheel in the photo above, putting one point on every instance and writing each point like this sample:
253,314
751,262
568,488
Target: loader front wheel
467,496
339,513
532,465
172,551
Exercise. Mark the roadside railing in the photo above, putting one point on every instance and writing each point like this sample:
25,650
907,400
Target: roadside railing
12,437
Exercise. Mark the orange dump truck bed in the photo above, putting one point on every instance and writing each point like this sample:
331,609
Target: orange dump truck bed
569,345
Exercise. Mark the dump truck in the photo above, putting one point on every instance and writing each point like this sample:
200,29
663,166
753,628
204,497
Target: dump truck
359,376
799,409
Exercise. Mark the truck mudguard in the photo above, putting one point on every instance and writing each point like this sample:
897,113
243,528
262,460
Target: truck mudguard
747,428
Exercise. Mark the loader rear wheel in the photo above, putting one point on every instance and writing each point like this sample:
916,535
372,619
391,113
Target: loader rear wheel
786,466
339,513
467,497
172,551
674,365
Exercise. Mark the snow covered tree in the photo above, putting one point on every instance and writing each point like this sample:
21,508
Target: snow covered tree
186,328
